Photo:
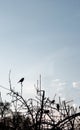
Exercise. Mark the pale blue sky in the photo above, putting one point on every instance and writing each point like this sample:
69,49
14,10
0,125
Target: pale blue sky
41,37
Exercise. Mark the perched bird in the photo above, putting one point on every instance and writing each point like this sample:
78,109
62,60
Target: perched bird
21,80
53,101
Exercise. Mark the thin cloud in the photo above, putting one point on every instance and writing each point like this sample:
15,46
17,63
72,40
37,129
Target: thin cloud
58,83
76,84
58,86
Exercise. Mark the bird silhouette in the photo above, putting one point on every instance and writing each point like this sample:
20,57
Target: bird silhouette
21,80
53,101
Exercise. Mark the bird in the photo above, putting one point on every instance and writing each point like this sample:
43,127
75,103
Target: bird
21,80
53,101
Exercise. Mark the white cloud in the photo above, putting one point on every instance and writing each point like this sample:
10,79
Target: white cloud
29,89
58,83
58,86
76,84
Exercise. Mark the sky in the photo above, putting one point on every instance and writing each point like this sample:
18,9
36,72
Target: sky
41,37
